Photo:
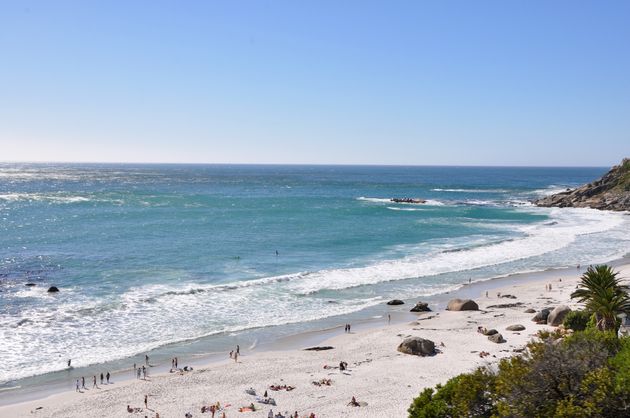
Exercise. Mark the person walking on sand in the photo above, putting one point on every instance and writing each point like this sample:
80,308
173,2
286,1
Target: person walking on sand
175,362
101,378
82,382
144,373
134,369
107,376
146,401
78,390
94,385
139,371
238,349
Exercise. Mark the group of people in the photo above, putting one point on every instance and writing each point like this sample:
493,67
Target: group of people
140,372
294,415
80,383
235,353
347,328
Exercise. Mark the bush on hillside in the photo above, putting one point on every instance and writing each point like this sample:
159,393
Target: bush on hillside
577,320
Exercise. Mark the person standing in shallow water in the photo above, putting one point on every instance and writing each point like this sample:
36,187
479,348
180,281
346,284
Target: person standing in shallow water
107,375
94,385
101,378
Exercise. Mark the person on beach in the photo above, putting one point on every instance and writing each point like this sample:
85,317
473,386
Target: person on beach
82,382
146,401
69,362
232,354
101,378
78,390
348,328
354,402
107,375
175,362
138,372
389,319
134,369
172,363
238,349
94,382
486,293
146,359
235,357
270,414
144,373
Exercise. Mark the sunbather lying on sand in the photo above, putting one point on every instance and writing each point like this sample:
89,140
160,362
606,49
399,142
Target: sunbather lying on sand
281,387
133,410
322,382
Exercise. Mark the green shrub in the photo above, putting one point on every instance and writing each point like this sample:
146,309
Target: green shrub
466,395
586,374
577,320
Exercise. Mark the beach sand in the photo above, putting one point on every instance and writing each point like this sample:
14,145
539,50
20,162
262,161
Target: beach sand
378,374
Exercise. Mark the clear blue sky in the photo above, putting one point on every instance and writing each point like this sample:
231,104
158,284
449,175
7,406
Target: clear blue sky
389,82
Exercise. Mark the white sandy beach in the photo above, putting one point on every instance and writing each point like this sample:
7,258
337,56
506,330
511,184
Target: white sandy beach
378,374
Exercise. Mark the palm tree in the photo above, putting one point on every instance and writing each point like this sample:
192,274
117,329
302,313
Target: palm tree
603,294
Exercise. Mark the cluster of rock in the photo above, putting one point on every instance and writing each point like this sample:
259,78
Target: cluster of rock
551,317
611,192
406,200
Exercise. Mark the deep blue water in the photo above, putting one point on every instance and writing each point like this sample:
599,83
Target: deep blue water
149,255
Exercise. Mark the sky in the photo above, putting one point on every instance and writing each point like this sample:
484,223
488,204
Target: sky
316,82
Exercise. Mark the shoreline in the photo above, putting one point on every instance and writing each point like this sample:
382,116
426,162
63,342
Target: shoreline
292,345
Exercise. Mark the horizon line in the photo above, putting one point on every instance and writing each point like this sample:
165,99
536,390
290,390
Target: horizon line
301,164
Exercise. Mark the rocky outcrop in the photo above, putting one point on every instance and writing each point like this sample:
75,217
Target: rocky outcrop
395,302
53,289
490,332
462,305
421,307
556,316
541,317
611,192
530,310
417,346
407,200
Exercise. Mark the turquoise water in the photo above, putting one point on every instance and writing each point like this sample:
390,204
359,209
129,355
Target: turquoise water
153,255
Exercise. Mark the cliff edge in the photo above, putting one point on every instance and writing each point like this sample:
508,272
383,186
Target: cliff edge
610,192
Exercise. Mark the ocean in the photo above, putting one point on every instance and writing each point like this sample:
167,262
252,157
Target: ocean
162,259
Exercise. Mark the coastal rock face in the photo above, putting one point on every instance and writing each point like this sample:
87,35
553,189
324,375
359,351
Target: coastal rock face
462,305
417,346
611,192
421,307
516,327
496,338
541,317
556,316
53,289
396,302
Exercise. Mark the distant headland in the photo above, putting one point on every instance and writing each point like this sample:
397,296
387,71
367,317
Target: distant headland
610,192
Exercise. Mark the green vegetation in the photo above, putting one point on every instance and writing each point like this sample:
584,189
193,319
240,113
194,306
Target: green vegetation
577,320
603,294
583,374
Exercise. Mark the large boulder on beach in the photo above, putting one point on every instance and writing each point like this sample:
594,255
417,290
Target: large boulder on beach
516,327
421,307
462,305
53,289
395,302
490,332
556,316
541,316
530,310
417,346
496,338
